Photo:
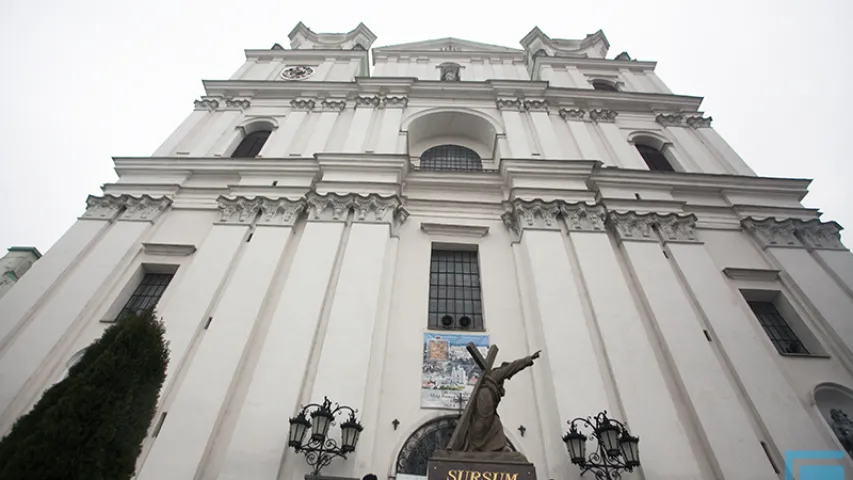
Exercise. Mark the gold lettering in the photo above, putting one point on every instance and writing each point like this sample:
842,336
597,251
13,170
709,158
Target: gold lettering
487,476
475,475
507,476
451,475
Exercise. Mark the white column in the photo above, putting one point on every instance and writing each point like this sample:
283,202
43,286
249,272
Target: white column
697,151
626,155
260,440
580,133
184,311
323,128
714,141
360,125
213,132
390,128
647,401
733,448
66,303
824,242
786,241
279,141
48,273
169,147
559,321
544,130
194,413
516,134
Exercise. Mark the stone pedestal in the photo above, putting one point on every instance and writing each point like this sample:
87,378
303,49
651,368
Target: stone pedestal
446,465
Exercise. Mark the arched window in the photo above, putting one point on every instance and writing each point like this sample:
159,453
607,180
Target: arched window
251,144
420,446
654,159
835,403
604,85
451,158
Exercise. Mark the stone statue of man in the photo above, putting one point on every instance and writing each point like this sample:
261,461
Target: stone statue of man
485,432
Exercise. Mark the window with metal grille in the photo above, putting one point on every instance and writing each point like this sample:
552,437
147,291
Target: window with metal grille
455,301
251,144
148,293
451,158
654,159
777,328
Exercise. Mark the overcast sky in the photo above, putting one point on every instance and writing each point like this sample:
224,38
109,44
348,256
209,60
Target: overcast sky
86,80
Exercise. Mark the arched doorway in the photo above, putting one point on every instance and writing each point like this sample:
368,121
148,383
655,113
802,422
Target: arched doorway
420,446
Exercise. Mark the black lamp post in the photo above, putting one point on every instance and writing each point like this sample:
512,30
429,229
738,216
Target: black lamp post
617,449
319,450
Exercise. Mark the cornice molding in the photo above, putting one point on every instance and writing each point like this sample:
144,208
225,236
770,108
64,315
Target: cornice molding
237,210
751,274
280,212
169,249
372,208
654,227
454,230
143,209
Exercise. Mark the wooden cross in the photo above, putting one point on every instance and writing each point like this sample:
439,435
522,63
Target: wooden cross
457,441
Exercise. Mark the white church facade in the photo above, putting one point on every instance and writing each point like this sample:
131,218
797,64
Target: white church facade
335,220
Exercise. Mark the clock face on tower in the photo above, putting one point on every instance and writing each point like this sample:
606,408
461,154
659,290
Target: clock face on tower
297,72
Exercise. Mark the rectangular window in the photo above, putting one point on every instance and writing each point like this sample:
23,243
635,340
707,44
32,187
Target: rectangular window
148,293
777,328
455,302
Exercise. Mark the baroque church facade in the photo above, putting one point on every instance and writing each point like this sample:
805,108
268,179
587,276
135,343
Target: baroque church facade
337,220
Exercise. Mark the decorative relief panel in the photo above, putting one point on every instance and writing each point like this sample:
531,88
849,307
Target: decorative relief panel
302,103
583,216
677,228
211,103
395,102
670,120
281,212
771,232
365,101
699,121
330,207
534,214
103,208
603,115
297,72
819,235
238,211
508,104
143,209
238,103
536,105
207,103
572,114
333,105
633,225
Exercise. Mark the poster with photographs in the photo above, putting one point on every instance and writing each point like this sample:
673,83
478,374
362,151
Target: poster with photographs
449,372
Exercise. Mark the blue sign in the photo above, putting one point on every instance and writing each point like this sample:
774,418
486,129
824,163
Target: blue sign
810,471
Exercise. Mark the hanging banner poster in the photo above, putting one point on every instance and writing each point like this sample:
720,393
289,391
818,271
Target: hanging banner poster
449,373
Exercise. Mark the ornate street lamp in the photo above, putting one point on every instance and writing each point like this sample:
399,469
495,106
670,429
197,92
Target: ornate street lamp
616,451
319,450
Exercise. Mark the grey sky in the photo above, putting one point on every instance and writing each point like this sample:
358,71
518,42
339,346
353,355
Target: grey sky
90,79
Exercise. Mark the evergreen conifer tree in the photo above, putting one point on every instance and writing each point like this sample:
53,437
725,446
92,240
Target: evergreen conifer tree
91,424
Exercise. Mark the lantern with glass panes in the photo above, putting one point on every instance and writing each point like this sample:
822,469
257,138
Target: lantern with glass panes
616,449
318,447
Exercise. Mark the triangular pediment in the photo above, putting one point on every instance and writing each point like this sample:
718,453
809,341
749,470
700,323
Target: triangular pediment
448,44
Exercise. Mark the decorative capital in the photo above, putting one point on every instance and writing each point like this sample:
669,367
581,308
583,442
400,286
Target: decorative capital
302,103
670,120
280,212
238,211
207,103
395,102
633,226
509,103
817,235
103,208
677,228
536,105
143,209
603,115
699,121
584,217
377,209
536,215
240,103
330,207
572,114
771,232
363,101
333,105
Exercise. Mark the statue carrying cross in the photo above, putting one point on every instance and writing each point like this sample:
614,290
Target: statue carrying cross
480,428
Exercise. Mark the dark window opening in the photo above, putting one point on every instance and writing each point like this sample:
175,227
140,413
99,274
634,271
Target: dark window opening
604,86
147,294
655,159
451,158
777,328
455,301
251,144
